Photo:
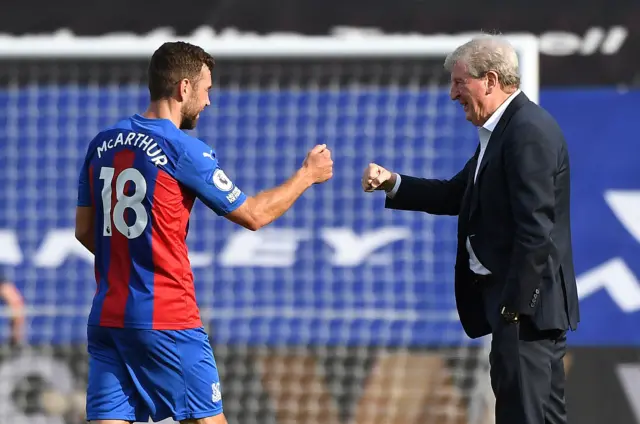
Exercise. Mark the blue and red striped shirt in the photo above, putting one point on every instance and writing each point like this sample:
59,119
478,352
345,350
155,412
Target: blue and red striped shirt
142,177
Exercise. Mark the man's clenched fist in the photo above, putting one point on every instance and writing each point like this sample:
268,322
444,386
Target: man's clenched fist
319,163
376,177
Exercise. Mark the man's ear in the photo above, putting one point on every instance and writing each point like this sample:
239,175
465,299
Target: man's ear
183,89
492,81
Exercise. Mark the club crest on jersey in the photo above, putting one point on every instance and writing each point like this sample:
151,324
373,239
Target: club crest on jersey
221,180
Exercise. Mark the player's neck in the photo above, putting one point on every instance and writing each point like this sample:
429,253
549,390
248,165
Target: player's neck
164,109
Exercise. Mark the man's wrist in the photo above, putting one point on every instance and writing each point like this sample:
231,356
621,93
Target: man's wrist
304,175
388,185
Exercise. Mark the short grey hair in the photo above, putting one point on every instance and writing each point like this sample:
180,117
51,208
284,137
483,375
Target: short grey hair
484,54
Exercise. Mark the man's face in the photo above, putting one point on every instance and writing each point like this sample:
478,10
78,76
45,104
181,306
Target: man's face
471,93
197,99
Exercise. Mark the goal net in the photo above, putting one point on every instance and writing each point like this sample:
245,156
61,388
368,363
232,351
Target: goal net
340,311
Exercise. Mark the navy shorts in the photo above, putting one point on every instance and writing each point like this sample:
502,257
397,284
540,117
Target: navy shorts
136,374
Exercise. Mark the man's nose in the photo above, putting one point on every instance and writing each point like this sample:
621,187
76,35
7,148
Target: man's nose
454,93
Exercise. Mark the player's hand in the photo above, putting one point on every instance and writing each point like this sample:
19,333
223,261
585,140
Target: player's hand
376,177
319,163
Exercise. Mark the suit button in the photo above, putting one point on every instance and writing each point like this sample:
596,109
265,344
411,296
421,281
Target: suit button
537,291
532,304
535,295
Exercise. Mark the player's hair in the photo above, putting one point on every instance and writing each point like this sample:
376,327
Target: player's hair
484,54
172,62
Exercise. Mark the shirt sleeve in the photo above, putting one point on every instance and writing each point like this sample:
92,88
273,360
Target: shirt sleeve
198,169
395,188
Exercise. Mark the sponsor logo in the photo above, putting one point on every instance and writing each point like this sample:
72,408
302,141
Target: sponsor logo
233,196
279,248
270,247
216,394
595,40
221,181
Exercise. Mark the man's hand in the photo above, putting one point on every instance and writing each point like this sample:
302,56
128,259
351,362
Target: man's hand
376,177
269,205
318,164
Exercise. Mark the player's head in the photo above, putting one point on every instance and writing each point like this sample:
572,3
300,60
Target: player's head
484,71
182,71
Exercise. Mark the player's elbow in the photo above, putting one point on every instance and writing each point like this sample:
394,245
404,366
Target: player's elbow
249,216
82,235
260,218
253,226
85,237
84,224
258,221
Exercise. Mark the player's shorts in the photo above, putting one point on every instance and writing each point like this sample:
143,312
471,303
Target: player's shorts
136,374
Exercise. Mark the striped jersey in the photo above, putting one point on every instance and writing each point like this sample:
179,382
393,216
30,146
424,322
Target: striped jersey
142,177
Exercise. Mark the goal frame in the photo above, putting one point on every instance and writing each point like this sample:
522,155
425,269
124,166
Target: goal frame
63,46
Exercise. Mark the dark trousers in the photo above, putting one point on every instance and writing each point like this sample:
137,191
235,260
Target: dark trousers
527,368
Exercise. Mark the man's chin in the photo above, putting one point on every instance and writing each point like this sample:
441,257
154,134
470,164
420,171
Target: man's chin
188,124
469,117
473,119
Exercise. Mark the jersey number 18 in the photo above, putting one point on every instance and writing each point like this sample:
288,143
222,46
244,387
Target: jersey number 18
124,202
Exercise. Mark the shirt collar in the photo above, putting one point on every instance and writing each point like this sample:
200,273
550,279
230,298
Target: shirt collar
493,120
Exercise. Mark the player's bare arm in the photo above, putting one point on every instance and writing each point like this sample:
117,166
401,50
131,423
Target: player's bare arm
85,227
269,205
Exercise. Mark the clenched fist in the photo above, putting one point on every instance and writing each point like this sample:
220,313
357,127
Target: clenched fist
376,177
319,164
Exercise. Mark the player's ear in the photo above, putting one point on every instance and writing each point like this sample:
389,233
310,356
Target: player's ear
183,89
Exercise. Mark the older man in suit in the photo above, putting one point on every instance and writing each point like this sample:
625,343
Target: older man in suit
514,276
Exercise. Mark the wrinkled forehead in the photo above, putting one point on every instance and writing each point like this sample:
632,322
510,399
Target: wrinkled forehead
459,71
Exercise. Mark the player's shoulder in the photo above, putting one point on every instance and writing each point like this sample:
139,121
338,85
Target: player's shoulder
161,132
171,136
121,125
196,148
143,132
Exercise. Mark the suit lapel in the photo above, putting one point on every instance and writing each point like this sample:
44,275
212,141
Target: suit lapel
493,146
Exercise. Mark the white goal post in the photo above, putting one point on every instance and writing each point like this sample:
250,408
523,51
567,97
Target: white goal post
388,46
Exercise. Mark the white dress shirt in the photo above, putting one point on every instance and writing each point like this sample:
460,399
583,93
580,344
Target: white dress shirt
484,133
